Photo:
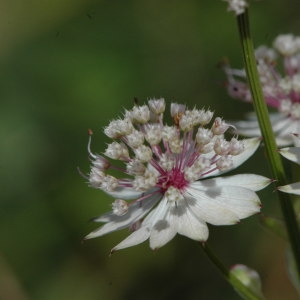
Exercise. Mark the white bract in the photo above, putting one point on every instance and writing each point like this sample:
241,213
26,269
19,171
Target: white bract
281,90
167,186
292,154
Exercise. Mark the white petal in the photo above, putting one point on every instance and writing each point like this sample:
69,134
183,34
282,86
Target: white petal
191,226
135,212
249,181
293,188
223,205
275,117
296,139
288,126
280,123
247,128
283,141
157,213
163,231
245,203
206,208
179,219
250,123
137,237
125,193
291,153
284,129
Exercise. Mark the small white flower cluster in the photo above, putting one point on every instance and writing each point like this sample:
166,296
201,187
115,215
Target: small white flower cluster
281,92
237,6
165,175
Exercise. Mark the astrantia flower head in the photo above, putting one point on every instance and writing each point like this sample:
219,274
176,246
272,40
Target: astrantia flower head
237,6
165,188
281,89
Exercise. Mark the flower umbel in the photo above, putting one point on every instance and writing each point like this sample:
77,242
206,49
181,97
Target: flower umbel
281,90
166,186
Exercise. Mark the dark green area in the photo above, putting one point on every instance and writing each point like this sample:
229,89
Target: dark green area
66,66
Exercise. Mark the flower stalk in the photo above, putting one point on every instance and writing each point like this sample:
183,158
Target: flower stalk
242,289
261,110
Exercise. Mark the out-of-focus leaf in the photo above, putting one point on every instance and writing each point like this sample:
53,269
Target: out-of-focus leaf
292,270
275,225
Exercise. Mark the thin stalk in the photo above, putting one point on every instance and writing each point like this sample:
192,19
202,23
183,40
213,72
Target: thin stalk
268,136
242,289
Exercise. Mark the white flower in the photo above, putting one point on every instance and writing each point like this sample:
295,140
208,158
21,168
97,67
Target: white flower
281,91
237,6
292,154
168,185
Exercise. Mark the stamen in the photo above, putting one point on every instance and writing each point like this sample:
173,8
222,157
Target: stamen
90,133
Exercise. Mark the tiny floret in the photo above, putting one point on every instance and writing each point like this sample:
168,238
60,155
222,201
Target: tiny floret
140,114
135,139
286,44
157,106
237,6
101,163
225,163
168,182
236,147
109,183
118,128
117,150
153,134
135,167
119,207
219,126
222,147
96,178
143,153
204,136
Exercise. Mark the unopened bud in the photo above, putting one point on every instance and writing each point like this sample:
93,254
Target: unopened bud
249,277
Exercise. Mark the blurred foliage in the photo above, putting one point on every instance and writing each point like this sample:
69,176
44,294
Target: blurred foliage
67,66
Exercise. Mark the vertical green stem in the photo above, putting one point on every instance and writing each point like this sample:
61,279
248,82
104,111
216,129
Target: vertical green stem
268,136
243,290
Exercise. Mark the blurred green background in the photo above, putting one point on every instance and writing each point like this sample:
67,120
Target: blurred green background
66,66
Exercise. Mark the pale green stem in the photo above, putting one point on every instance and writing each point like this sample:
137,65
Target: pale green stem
268,136
242,289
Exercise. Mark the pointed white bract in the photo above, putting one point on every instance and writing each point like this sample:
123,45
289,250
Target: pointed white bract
292,154
168,185
281,89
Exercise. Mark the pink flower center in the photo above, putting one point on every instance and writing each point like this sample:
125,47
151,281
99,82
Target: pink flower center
174,178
